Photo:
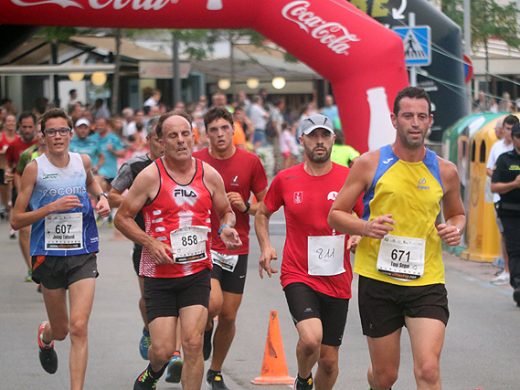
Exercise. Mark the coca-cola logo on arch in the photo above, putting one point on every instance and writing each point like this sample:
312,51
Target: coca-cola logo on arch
331,34
100,4
61,3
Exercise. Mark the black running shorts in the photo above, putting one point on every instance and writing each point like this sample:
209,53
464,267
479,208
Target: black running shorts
164,297
232,282
384,306
305,303
61,271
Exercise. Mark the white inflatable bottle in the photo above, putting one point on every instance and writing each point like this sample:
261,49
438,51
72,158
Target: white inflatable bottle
381,131
214,5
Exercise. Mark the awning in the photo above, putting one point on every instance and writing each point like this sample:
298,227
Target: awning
128,48
45,70
251,61
162,70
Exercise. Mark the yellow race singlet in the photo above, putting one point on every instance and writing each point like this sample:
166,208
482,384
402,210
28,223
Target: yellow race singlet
411,255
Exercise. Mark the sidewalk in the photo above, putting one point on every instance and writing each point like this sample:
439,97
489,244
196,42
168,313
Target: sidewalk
475,271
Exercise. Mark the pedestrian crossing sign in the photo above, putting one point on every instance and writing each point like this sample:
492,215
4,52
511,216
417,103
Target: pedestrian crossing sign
417,44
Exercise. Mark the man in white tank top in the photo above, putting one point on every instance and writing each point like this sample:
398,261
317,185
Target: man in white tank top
64,238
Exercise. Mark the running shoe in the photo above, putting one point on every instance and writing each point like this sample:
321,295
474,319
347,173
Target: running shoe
206,349
501,279
174,369
48,356
12,234
215,380
144,344
145,381
303,384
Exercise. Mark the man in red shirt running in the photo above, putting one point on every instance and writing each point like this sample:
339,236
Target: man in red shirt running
243,174
176,195
27,131
316,274
7,137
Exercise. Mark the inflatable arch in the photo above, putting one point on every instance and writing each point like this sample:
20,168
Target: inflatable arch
363,60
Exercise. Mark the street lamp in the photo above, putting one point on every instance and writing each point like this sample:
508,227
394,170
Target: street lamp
224,84
76,76
252,83
98,78
278,82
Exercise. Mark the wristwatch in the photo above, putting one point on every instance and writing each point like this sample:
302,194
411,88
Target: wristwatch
102,194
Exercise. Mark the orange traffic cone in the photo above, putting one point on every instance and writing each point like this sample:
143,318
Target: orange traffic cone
274,368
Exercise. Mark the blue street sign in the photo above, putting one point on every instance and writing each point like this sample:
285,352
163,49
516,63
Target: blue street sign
417,44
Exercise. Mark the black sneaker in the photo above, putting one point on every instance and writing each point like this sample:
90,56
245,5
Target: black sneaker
145,381
215,380
48,356
300,384
206,349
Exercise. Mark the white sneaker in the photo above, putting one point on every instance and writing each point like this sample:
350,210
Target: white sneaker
501,279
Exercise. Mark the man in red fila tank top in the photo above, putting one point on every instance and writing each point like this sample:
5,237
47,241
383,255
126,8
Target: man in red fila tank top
176,195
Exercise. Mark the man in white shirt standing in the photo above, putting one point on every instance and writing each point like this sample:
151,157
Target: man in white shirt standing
504,144
153,100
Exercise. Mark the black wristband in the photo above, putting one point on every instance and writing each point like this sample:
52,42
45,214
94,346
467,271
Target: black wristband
248,206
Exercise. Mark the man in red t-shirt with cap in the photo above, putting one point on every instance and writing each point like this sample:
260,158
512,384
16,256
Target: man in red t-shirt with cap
316,274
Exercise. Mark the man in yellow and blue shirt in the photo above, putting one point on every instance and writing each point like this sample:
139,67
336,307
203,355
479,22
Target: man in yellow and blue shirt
399,258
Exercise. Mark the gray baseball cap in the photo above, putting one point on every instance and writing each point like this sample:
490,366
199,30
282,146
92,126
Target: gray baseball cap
313,122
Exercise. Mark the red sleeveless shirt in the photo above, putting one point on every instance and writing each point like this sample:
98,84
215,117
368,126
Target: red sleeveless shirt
178,206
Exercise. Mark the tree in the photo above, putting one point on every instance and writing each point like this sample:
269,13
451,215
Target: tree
488,20
197,43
